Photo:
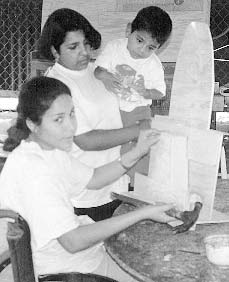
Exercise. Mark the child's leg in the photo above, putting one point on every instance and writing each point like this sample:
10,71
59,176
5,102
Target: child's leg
130,118
139,113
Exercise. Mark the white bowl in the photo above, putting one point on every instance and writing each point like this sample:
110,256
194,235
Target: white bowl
217,249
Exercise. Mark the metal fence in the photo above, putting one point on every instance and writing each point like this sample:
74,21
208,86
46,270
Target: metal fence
219,25
20,22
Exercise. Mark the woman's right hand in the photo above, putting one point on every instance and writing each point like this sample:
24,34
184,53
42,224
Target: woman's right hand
146,139
158,212
111,82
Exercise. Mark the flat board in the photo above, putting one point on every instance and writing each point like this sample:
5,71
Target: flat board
193,81
203,155
165,159
189,116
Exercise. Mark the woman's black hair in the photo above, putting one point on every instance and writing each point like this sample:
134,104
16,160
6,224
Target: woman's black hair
155,21
56,27
35,98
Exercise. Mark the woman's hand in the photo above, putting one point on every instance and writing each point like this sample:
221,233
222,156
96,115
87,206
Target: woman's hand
111,82
158,212
146,139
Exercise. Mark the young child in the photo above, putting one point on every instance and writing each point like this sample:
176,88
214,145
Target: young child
130,68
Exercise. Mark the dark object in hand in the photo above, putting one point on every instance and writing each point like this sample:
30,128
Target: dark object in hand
188,217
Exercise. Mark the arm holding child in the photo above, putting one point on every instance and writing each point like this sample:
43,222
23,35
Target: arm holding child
112,82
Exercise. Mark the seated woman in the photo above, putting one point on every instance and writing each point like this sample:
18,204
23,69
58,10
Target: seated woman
69,39
41,176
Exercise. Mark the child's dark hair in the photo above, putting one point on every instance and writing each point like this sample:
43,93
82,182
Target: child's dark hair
35,98
154,20
56,27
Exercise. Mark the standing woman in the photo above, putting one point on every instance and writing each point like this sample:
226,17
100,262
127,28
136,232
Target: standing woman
40,176
68,38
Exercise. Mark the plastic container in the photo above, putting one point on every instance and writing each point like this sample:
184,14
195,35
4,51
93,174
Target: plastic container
217,249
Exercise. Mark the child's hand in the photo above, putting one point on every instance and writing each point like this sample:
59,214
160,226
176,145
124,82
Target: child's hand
111,82
139,85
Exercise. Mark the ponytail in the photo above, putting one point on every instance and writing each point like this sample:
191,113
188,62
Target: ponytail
17,132
35,98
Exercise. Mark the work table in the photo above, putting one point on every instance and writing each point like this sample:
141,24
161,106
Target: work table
149,251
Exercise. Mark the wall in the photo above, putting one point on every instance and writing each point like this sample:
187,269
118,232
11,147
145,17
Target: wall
111,17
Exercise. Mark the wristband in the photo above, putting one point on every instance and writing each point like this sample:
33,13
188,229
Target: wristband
122,165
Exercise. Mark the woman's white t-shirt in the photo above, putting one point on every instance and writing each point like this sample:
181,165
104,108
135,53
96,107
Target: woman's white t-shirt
96,108
39,184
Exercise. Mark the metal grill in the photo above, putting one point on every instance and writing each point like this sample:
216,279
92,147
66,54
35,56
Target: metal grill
20,23
219,24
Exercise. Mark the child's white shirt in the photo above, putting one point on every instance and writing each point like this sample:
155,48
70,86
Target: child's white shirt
116,58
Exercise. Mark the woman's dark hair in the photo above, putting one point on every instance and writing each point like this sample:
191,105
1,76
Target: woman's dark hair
154,20
58,24
35,98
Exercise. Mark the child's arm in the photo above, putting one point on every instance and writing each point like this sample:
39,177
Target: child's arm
152,94
111,81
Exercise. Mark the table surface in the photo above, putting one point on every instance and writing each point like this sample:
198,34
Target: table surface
149,251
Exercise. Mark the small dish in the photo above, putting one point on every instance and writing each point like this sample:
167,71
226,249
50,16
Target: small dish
217,249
